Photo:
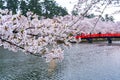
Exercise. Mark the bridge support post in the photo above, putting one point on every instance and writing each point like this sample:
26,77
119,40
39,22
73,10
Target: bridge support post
109,40
89,40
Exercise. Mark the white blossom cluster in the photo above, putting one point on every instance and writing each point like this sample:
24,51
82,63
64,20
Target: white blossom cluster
31,35
87,25
41,37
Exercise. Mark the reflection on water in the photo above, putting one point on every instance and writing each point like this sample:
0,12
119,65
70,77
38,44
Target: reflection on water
52,66
82,62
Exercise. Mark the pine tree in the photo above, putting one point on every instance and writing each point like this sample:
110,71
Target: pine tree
50,9
1,4
12,5
23,7
35,6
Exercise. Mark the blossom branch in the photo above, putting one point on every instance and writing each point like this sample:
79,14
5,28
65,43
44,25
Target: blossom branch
4,40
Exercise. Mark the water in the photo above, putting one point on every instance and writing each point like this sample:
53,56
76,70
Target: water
82,62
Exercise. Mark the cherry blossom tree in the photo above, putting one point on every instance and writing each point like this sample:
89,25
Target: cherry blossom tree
33,36
42,37
86,7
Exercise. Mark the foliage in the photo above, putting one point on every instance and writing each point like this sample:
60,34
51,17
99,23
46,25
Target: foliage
50,8
12,5
107,18
23,7
90,16
46,8
74,12
2,4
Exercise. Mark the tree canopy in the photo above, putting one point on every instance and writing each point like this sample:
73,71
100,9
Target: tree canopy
46,8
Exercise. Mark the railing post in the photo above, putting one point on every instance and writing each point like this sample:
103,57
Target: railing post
89,40
109,40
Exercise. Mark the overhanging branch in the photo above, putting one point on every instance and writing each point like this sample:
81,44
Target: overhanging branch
4,40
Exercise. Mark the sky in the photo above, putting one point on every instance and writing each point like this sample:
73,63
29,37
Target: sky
70,3
67,3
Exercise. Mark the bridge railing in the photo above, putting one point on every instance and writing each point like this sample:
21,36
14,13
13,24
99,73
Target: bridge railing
105,35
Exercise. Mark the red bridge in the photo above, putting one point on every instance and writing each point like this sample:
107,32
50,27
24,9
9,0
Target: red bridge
89,37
